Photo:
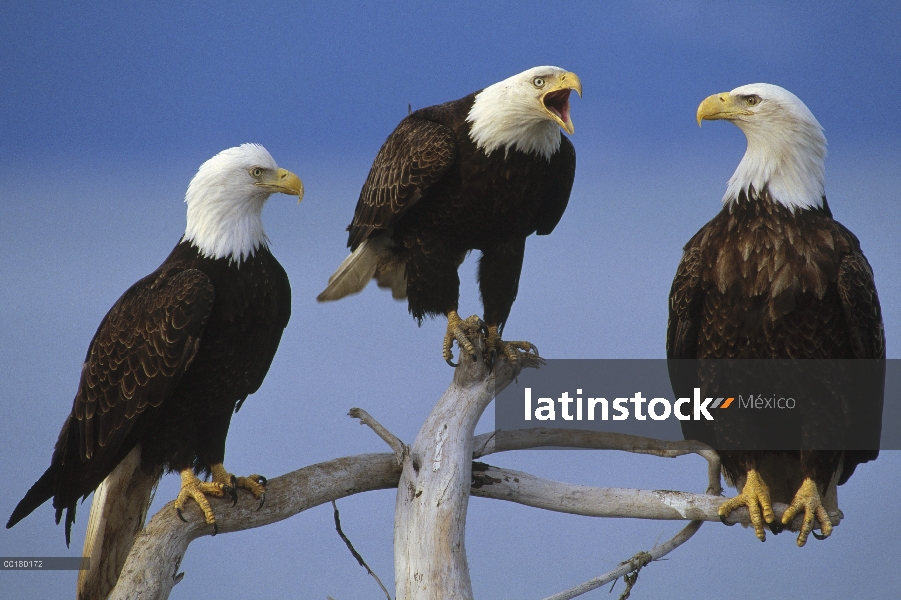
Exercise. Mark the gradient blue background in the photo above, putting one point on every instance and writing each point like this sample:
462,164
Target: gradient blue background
108,109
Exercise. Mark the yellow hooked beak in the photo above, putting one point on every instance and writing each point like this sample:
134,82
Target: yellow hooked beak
556,99
283,181
720,106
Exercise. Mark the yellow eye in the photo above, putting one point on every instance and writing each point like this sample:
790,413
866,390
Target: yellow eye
256,172
538,82
752,100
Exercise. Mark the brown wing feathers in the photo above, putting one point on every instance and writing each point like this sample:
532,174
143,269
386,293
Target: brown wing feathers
141,349
415,155
857,290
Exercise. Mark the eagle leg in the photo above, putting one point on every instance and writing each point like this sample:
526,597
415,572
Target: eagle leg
191,487
255,484
462,331
512,350
756,496
808,498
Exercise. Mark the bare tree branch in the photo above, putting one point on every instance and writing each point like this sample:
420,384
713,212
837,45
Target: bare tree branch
433,485
400,449
529,490
353,551
433,493
523,439
152,566
633,565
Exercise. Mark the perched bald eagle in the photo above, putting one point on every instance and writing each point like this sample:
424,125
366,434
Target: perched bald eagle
773,275
483,172
177,354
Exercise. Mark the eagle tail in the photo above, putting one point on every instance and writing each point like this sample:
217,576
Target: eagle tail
40,492
117,515
371,259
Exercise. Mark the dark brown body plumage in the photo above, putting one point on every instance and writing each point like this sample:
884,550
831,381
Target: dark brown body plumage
170,362
436,196
761,281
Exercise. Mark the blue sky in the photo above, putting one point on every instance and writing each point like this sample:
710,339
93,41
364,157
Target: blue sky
108,110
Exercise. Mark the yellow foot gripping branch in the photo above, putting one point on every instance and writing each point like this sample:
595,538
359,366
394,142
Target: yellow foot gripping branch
808,498
223,483
756,496
465,332
512,350
255,484
191,487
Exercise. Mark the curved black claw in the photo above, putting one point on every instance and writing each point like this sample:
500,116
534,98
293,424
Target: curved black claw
262,500
776,527
452,363
180,516
819,536
725,522
232,490
215,528
262,480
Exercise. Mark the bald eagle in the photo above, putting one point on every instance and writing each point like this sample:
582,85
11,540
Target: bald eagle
178,353
772,276
483,172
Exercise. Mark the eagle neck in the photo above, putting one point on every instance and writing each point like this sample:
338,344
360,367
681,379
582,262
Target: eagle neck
220,226
500,119
788,161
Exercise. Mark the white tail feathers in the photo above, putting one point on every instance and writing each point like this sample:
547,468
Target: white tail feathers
117,515
371,259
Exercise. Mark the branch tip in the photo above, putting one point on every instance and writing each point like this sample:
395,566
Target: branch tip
400,449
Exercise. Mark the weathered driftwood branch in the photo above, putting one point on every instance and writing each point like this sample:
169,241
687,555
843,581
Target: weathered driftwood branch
152,566
433,487
523,439
558,496
433,493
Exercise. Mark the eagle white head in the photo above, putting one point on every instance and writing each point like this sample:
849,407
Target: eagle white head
225,201
786,146
524,112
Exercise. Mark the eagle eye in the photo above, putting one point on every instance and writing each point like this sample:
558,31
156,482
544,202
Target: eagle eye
538,82
256,172
752,100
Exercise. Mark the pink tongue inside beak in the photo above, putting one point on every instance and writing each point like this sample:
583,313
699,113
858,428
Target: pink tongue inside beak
558,103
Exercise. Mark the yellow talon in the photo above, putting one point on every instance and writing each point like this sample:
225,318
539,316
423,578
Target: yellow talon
808,498
512,350
464,332
191,487
255,484
223,483
756,496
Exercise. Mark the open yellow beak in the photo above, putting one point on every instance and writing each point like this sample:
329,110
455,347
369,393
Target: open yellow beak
556,99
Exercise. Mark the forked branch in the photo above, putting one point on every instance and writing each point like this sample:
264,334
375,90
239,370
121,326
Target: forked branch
433,495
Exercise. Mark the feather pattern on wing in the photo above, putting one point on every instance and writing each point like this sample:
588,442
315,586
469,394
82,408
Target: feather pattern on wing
415,156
